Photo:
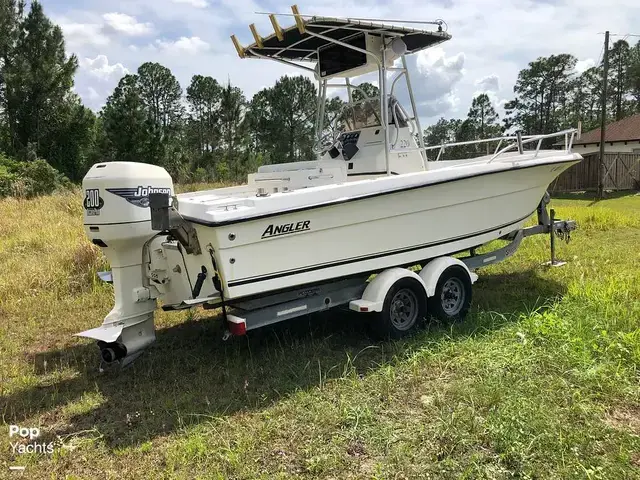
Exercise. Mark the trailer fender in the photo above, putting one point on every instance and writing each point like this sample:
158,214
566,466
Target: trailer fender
432,271
373,297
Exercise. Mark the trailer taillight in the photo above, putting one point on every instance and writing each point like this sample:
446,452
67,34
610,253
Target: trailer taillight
237,326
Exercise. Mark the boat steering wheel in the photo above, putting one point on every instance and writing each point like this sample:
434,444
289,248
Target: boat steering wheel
326,141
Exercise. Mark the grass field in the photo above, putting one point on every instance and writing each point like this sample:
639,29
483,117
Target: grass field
540,381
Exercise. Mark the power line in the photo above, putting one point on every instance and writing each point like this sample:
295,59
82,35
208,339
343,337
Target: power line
600,56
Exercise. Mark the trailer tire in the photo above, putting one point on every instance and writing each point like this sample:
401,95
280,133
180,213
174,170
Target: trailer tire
452,297
404,309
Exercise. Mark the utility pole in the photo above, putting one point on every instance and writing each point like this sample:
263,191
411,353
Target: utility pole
603,117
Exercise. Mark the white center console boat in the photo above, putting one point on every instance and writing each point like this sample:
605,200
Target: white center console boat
306,236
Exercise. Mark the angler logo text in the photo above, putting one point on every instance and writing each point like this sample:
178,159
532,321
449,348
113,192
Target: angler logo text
274,230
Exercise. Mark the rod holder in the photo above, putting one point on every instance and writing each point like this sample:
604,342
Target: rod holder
276,27
239,47
256,36
299,21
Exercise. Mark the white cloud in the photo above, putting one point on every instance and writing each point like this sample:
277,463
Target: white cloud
490,83
123,23
99,67
585,64
437,79
184,45
83,34
497,44
193,3
92,94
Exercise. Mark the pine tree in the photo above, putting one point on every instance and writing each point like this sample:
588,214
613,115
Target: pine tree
618,78
483,117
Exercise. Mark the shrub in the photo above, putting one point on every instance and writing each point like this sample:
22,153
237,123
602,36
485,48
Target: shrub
201,175
7,180
222,171
29,179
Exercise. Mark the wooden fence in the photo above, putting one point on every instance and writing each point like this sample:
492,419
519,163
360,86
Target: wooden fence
622,172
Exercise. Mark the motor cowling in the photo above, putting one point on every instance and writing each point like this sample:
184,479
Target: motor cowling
117,217
117,193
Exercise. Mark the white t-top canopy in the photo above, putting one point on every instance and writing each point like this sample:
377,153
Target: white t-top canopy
298,43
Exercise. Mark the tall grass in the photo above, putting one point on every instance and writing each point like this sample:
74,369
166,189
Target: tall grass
540,381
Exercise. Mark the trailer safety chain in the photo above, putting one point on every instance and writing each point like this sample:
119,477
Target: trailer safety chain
564,235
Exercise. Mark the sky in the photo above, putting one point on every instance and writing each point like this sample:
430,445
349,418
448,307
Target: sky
492,40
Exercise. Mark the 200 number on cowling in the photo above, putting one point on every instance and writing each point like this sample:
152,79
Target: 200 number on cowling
93,202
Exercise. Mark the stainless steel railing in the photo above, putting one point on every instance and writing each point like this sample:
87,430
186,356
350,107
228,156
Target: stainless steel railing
518,142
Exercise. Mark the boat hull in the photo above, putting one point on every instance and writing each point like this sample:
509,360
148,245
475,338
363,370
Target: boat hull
348,237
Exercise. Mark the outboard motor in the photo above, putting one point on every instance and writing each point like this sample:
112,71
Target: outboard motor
117,218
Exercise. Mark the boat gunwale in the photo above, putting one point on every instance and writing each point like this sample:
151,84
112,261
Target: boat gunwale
329,203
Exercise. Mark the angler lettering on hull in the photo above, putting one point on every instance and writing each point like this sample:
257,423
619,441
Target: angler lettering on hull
274,230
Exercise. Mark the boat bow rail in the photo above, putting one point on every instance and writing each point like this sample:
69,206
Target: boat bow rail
518,143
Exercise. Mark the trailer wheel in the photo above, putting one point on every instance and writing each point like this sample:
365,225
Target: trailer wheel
404,309
452,297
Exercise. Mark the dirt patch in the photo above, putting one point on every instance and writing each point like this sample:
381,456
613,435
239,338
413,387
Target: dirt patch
625,417
356,448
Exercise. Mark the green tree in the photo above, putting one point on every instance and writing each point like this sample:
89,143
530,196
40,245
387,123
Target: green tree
204,96
233,134
483,117
283,118
619,60
42,112
366,88
443,131
634,76
124,119
585,99
11,17
71,138
143,118
539,90
332,116
160,93
39,77
452,131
